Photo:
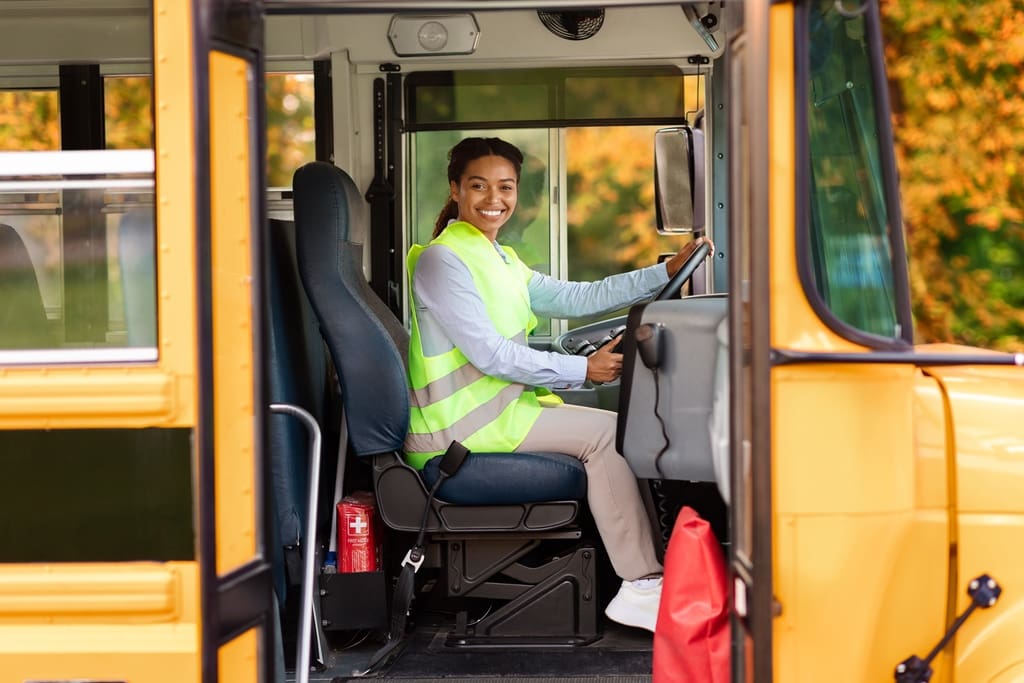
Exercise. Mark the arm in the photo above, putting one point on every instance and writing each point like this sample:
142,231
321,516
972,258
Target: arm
560,299
448,304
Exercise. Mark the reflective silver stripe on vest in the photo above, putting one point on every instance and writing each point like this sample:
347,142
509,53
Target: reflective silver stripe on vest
472,422
443,387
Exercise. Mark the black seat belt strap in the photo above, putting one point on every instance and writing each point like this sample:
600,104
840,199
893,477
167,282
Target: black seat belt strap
401,602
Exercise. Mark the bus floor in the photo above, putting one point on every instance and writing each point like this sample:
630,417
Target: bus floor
620,655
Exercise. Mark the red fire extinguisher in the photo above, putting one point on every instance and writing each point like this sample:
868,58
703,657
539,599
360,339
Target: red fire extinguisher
357,533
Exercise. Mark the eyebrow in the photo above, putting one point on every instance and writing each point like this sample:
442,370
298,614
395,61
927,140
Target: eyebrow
503,180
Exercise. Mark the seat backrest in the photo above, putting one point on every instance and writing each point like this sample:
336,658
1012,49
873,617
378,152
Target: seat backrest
23,323
367,343
296,375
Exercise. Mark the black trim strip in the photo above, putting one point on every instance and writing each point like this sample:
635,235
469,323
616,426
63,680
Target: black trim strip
82,118
204,437
393,132
801,75
84,234
260,240
756,107
545,123
921,360
244,600
323,110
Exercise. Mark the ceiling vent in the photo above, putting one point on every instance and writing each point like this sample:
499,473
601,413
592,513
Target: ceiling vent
573,24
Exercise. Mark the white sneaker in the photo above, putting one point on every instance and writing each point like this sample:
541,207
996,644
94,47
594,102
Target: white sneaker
636,603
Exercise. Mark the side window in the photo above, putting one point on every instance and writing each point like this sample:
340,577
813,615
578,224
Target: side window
290,131
77,273
850,243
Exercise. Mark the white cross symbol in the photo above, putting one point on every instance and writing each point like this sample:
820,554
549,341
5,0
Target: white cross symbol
358,526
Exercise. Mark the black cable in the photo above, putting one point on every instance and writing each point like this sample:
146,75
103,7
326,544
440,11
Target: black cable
664,431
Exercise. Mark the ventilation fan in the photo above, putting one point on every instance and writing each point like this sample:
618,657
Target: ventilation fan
573,24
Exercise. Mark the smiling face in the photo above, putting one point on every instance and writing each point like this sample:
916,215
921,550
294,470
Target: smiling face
487,193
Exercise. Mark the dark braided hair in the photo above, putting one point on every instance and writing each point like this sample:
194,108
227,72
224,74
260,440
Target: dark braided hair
467,150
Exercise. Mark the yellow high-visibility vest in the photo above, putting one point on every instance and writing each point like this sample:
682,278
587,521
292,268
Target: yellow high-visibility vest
450,399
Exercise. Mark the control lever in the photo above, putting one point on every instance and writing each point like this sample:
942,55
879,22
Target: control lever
613,335
587,347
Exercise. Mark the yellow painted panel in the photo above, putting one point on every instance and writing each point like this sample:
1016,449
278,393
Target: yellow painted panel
108,646
104,591
175,199
237,659
87,397
843,439
990,641
233,366
859,594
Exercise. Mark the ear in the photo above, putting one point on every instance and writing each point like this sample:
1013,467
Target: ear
454,187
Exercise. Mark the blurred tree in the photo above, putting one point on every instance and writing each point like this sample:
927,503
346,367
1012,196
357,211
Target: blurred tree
957,83
611,201
290,133
128,112
29,120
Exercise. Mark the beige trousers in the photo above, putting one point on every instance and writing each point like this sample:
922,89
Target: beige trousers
612,493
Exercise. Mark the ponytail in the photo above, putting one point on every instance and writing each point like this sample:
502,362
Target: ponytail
449,213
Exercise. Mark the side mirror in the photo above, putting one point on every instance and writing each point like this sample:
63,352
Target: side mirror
679,180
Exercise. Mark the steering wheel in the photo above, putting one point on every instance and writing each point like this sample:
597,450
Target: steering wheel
684,273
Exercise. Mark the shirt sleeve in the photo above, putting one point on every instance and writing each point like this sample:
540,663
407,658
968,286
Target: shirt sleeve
555,298
445,295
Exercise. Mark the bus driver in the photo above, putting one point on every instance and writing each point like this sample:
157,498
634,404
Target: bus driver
474,303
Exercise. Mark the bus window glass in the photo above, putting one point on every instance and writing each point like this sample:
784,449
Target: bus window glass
290,131
849,226
610,203
78,267
29,119
128,117
131,260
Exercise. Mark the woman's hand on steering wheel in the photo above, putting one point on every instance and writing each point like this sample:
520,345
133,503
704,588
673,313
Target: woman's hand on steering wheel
604,365
681,266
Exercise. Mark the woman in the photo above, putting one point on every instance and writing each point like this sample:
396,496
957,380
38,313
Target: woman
473,377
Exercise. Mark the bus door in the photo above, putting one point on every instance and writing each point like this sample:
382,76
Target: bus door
223,163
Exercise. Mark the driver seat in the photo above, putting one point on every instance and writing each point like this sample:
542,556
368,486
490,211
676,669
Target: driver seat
489,519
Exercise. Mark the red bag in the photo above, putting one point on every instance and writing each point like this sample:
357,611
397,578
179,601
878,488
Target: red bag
691,639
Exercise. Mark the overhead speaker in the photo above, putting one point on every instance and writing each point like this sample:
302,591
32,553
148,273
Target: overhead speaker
577,24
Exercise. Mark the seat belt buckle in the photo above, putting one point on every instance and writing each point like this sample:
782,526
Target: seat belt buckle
415,558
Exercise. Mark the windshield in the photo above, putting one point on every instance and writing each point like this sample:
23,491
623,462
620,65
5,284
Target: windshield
849,241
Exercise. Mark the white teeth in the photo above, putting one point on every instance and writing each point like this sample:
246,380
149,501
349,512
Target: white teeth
492,214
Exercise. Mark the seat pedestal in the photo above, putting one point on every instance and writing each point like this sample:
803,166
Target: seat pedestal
550,602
